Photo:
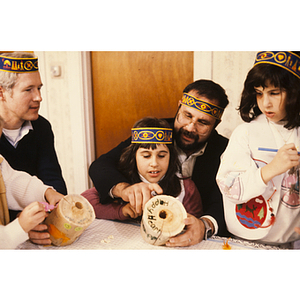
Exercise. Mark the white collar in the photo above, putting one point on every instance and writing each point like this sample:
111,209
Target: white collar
15,135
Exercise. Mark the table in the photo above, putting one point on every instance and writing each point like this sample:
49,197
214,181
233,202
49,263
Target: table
115,235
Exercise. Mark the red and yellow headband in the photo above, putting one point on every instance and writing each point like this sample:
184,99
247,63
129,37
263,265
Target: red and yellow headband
18,65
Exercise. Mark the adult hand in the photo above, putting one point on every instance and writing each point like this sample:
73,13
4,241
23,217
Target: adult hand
193,235
39,235
138,194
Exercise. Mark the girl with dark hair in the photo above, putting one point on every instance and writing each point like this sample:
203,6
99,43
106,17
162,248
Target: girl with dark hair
259,170
152,159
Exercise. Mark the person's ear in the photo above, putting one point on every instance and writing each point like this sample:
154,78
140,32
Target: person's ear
1,93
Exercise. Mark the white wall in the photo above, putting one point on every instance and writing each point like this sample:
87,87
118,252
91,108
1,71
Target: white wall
67,103
229,69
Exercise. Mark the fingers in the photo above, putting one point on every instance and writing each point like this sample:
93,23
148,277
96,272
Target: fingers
129,211
38,212
30,220
32,215
290,150
193,235
151,190
286,158
136,199
146,195
156,188
39,235
290,146
34,207
40,228
138,194
182,240
52,196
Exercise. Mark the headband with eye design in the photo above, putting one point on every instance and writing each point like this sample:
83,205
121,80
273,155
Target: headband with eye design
151,135
283,59
208,108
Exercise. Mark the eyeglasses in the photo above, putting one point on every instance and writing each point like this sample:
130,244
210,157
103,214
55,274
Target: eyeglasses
185,119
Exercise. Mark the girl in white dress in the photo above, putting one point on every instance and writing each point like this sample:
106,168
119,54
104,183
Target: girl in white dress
259,170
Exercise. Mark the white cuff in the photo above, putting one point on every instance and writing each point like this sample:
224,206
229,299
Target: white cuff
214,222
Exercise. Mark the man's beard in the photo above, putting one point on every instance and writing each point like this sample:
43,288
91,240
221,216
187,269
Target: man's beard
195,146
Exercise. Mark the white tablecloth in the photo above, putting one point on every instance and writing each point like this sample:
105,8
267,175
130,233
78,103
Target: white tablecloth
111,235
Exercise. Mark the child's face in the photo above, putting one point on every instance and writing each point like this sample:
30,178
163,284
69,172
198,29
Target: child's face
271,101
153,164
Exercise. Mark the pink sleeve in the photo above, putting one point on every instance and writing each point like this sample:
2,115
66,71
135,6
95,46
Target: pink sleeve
192,199
111,211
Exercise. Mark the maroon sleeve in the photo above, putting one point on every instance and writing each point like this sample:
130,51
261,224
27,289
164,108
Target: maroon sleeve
192,199
110,211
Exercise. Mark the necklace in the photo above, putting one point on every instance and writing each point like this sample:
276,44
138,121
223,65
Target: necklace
285,139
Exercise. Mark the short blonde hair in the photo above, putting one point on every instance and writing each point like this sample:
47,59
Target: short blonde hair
9,79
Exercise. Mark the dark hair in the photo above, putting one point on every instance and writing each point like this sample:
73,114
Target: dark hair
210,90
127,164
263,74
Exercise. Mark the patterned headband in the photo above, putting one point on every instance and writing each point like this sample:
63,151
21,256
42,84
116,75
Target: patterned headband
18,65
208,108
151,135
284,59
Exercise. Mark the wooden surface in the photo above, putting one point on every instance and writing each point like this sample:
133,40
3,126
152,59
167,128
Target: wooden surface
128,86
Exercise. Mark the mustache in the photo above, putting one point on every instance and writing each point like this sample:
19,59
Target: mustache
189,134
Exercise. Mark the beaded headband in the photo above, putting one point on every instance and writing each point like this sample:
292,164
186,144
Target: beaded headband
151,135
208,108
284,59
18,65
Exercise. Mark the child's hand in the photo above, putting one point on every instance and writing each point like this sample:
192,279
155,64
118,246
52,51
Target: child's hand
129,211
52,196
32,215
286,158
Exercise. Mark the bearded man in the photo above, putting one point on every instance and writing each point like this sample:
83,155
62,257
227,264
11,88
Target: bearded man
199,148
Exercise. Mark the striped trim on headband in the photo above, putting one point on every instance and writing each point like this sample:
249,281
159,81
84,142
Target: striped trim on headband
206,107
18,65
284,59
151,135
